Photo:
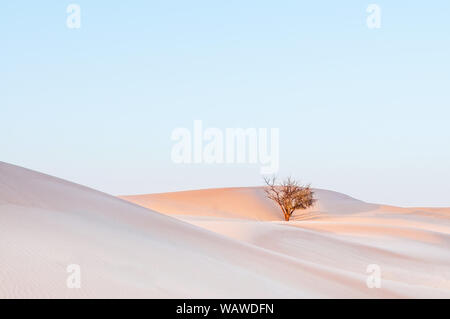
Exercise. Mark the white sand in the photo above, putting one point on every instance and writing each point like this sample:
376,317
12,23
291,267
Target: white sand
223,243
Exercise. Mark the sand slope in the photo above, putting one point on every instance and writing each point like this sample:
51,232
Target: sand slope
129,251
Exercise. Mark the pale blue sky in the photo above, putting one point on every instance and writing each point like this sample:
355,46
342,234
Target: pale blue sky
363,112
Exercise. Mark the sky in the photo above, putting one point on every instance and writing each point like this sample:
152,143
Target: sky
360,111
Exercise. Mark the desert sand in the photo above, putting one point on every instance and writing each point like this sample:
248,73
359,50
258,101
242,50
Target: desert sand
216,243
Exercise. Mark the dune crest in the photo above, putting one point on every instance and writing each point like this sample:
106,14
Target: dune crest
244,203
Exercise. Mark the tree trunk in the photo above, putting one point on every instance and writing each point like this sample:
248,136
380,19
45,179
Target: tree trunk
286,217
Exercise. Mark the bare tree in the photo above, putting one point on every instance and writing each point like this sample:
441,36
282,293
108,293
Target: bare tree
289,195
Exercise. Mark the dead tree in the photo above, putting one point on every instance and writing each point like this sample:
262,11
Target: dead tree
289,195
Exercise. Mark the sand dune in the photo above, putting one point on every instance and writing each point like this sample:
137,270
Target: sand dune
218,243
411,245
